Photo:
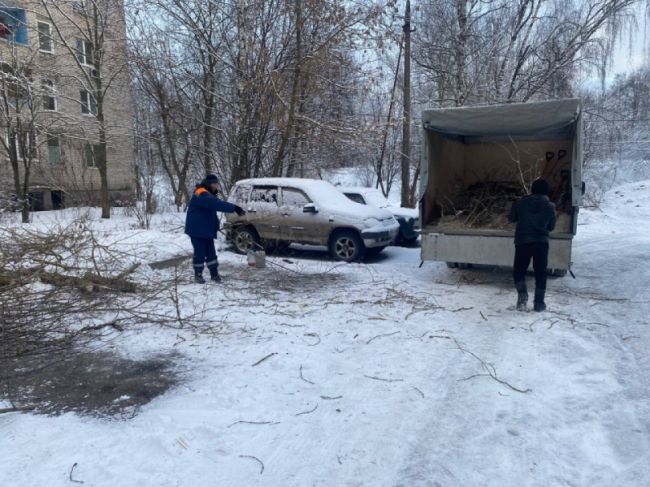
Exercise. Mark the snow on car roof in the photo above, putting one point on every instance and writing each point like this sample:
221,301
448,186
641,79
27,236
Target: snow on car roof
356,189
375,197
321,191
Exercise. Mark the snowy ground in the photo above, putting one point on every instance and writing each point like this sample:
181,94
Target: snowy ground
384,374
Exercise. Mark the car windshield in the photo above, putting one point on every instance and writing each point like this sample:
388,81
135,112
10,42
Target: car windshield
375,198
356,197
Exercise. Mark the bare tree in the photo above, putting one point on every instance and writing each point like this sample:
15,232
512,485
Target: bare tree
19,109
93,34
271,90
493,51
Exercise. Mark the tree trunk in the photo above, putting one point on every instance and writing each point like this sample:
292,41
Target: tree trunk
461,51
406,121
295,89
100,157
380,163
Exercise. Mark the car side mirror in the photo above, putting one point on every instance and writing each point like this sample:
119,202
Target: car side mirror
310,208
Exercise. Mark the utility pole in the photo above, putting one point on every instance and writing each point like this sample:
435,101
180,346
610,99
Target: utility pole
406,119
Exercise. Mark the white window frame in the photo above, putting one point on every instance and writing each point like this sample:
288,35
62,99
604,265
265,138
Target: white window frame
47,144
90,146
30,139
87,103
49,28
87,46
51,95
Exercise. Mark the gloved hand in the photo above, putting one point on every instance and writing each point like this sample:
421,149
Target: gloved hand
239,210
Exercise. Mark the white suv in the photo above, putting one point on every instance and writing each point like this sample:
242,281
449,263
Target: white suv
280,211
408,218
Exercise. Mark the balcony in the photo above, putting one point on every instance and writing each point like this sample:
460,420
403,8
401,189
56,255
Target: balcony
13,27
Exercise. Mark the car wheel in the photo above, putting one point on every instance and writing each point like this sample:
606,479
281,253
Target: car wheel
347,246
245,239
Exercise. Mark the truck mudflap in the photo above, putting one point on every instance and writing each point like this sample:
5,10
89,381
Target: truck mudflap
488,249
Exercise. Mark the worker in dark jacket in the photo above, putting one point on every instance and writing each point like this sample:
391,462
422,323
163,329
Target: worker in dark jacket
535,218
202,225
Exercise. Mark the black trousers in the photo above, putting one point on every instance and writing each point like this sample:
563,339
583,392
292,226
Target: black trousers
539,253
204,253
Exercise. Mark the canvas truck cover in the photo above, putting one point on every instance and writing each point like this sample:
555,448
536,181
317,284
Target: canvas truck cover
516,119
466,142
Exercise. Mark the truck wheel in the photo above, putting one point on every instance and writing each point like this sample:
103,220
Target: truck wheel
346,245
245,239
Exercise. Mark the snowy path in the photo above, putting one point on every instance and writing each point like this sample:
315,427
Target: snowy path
367,385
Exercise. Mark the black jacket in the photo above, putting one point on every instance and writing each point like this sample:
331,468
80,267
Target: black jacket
535,218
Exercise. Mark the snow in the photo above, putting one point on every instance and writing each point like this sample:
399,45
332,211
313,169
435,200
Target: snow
376,198
377,377
361,177
326,197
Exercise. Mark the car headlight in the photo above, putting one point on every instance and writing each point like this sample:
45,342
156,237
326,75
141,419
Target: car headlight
371,222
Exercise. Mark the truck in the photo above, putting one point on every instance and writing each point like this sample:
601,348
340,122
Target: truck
477,161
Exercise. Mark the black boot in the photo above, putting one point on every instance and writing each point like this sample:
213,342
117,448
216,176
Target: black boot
198,277
540,305
214,274
522,295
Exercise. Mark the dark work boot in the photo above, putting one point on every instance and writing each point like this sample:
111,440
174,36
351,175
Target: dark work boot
214,274
522,295
198,277
540,305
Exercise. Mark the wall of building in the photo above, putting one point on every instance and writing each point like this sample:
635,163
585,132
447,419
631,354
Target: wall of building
72,177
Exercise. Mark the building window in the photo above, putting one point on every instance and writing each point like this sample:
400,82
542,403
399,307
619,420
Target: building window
14,85
88,103
45,41
54,150
12,25
90,155
85,52
30,141
79,6
49,96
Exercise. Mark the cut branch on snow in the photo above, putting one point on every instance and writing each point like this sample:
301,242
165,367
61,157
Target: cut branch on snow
264,358
489,369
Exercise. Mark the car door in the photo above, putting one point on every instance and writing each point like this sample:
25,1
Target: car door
263,211
239,196
297,225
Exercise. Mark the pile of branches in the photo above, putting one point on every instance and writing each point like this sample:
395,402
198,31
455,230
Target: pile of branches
62,288
481,205
56,287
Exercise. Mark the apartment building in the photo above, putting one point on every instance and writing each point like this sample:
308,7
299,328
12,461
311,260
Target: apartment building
54,57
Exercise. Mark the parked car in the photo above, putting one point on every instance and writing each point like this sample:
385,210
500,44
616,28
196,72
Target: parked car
408,218
280,211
